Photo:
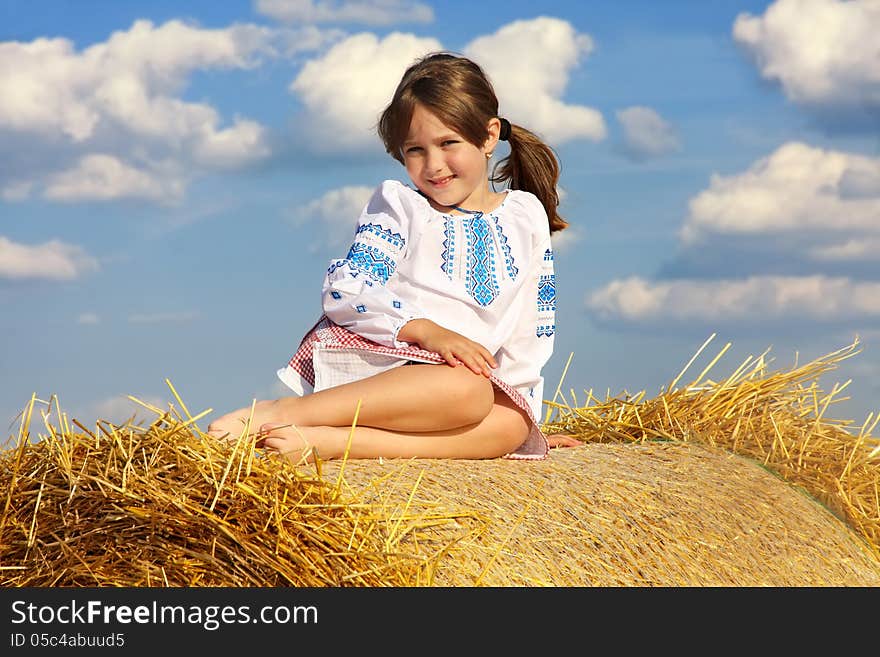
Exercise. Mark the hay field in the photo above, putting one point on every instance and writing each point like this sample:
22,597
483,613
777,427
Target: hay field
741,481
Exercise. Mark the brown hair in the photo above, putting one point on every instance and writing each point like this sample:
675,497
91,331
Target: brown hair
458,92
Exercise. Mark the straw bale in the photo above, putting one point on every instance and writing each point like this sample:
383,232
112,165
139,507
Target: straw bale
167,505
741,482
780,418
650,514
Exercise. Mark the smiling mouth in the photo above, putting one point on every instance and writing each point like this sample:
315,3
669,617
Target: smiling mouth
439,182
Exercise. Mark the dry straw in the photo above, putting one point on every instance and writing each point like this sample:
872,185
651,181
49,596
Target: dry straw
740,482
167,505
779,418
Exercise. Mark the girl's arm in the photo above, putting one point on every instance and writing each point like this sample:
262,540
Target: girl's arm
355,293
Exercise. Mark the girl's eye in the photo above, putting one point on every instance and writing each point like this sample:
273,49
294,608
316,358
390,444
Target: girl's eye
413,149
450,142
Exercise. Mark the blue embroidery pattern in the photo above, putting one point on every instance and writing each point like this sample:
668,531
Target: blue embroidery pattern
512,269
335,294
372,261
395,239
367,257
448,255
547,293
481,283
361,308
546,303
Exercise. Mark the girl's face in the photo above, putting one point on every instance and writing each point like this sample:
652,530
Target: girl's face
444,165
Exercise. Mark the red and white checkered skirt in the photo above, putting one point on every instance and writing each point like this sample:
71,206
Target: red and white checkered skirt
357,357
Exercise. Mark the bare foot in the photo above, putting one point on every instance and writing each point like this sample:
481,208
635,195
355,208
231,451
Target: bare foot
300,444
247,420
563,440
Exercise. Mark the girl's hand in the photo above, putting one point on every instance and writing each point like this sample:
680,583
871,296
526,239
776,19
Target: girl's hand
455,348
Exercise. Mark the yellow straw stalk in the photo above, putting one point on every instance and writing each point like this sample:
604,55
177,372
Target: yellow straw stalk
737,482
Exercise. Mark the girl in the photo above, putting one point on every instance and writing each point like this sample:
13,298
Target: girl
439,320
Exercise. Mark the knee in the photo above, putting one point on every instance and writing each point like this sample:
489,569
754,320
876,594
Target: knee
473,398
510,423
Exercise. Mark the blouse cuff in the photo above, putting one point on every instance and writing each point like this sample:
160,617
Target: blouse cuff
399,344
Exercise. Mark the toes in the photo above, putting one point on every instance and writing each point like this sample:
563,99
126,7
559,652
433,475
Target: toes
563,440
267,427
285,440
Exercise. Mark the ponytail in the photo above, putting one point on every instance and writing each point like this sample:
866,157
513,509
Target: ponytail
531,166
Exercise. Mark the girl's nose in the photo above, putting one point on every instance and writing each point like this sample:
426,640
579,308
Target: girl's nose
434,161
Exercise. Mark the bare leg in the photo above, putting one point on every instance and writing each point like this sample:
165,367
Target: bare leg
503,430
411,398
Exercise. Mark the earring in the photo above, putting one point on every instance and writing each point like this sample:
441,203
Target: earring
488,155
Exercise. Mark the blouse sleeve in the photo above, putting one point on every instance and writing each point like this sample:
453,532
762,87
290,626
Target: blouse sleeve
355,293
522,357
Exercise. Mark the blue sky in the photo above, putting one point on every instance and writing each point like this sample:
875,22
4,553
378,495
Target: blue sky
175,177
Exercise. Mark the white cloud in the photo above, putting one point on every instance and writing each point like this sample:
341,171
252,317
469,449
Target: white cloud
48,88
292,42
347,88
368,12
88,318
529,62
121,98
646,133
758,298
861,179
797,188
103,177
853,250
338,210
41,84
53,260
244,142
161,318
822,52
563,240
17,190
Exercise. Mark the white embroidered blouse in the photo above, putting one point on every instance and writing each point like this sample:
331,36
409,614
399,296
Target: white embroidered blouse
487,276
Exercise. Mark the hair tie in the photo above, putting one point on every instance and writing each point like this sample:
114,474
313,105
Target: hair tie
505,130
